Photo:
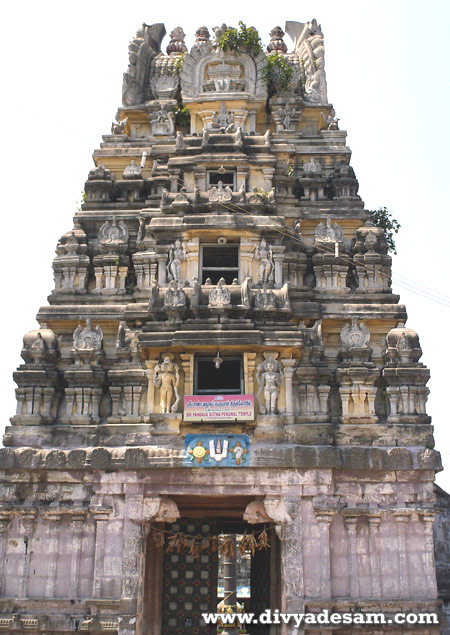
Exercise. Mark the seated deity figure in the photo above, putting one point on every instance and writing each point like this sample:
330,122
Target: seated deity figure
264,254
167,378
269,375
177,254
175,296
87,337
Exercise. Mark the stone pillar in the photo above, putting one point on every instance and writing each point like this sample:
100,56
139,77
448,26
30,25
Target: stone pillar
402,520
351,521
374,520
268,176
174,175
324,518
241,176
5,523
428,553
76,522
101,514
249,370
252,121
151,363
53,519
289,367
278,257
133,545
162,271
26,523
187,361
292,560
246,255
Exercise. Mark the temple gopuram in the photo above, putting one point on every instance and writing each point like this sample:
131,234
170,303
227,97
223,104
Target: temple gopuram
223,407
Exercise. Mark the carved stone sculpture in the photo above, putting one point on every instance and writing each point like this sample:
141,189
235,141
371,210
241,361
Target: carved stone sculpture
176,44
354,336
162,123
113,236
175,296
309,46
167,377
87,338
312,167
222,120
269,376
246,298
168,512
255,513
327,232
177,254
220,194
264,254
202,38
179,141
220,297
265,298
276,40
132,171
121,341
118,126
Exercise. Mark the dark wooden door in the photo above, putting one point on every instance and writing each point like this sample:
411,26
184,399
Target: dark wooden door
189,586
260,589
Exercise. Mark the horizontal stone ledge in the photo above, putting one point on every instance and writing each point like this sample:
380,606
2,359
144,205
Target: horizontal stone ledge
281,456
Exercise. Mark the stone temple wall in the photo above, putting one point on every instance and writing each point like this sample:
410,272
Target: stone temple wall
212,157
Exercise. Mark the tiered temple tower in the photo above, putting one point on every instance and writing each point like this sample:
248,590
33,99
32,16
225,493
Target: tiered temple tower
222,349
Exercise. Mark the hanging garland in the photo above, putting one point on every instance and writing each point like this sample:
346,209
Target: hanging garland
181,542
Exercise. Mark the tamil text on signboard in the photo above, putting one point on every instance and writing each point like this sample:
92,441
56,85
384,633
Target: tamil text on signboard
219,408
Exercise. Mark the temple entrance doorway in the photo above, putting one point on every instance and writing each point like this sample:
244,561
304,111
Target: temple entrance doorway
207,559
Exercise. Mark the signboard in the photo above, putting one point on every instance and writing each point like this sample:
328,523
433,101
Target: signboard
219,408
216,450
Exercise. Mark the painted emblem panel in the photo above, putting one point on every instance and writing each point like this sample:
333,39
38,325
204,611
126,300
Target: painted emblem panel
217,450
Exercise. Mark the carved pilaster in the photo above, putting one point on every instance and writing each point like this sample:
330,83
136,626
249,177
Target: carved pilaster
374,520
249,370
53,519
351,520
427,518
76,523
289,367
150,385
101,514
26,525
5,523
187,361
292,559
324,518
402,518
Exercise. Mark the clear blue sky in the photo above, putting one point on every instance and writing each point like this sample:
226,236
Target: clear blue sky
387,71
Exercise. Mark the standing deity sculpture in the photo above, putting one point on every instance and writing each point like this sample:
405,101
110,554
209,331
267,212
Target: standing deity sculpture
167,378
269,376
264,254
177,254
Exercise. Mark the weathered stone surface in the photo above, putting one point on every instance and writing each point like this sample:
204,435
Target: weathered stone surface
230,230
